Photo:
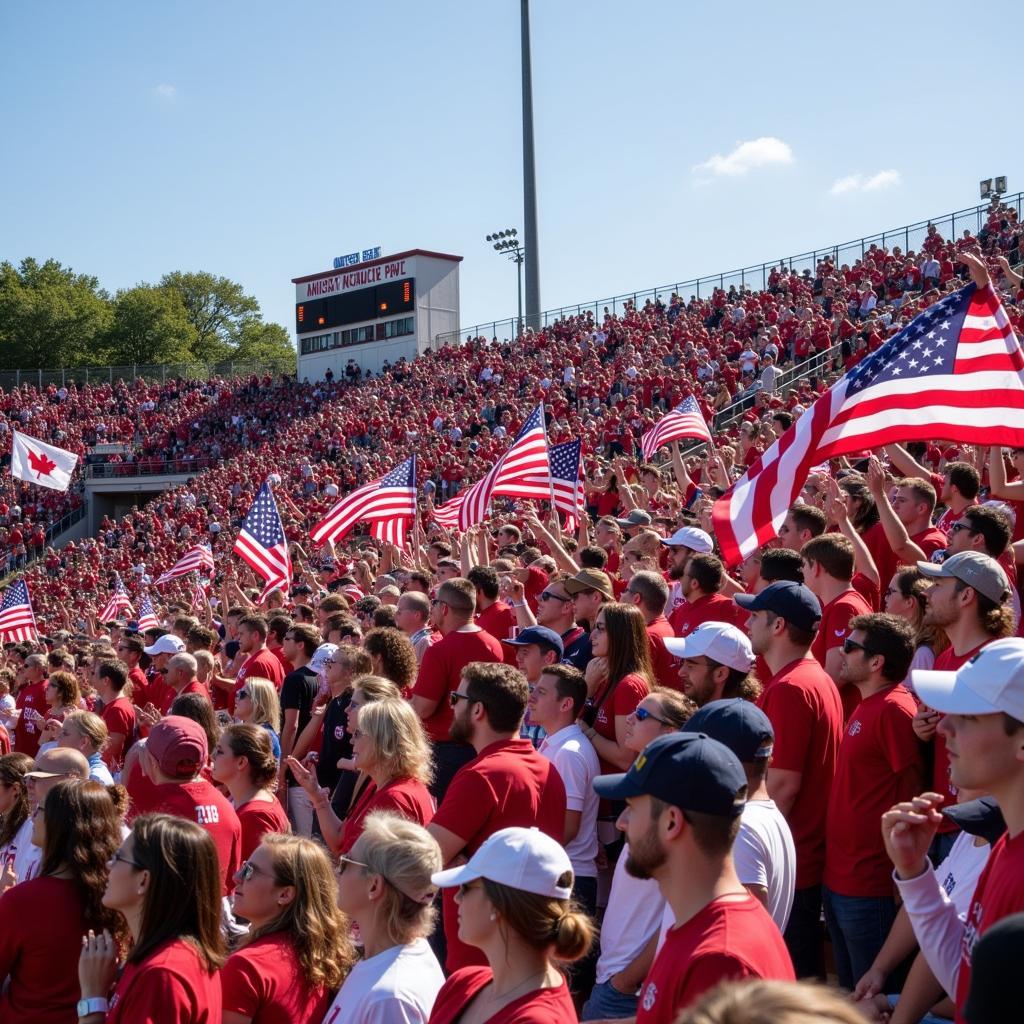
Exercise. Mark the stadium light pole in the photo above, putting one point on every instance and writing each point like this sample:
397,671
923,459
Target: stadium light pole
507,241
529,180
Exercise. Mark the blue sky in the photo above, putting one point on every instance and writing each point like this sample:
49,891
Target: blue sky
260,139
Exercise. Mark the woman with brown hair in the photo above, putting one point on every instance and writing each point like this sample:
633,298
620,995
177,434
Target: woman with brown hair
513,899
165,882
15,827
42,920
907,597
299,949
392,656
244,764
618,678
62,695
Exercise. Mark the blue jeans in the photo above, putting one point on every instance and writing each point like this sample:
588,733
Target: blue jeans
858,926
607,1003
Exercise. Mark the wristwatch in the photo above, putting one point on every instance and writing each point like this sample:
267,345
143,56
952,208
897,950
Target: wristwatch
87,1007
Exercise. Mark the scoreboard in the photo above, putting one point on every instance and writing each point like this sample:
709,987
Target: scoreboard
356,307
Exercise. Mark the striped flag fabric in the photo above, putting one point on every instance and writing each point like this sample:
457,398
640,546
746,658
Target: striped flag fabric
388,503
118,605
685,420
955,372
196,558
516,474
567,485
17,620
147,617
447,515
199,598
262,544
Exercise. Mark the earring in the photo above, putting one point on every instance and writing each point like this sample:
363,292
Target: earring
494,917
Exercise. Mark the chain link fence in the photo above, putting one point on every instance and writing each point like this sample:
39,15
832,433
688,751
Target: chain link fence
159,372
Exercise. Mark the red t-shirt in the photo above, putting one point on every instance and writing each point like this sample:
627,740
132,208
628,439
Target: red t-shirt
257,818
41,926
622,701
666,669
833,630
928,540
441,670
507,784
499,620
202,803
731,938
261,665
880,764
542,1006
263,981
26,732
171,986
169,696
686,617
119,716
140,687
408,798
803,705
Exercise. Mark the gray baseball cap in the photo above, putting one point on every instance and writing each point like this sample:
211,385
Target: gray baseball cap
974,568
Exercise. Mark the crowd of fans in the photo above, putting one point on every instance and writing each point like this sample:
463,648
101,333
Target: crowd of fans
519,774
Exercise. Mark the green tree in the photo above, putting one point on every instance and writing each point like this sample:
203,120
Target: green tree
217,308
51,317
150,325
269,343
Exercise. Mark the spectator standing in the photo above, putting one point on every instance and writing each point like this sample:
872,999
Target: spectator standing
412,617
87,733
649,592
701,585
109,679
15,823
259,659
298,694
715,663
30,701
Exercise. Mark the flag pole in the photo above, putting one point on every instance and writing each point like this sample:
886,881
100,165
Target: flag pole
547,448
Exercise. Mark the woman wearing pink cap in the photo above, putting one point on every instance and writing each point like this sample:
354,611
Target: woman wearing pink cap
514,905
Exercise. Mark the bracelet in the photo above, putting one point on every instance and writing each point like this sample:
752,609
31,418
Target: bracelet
517,604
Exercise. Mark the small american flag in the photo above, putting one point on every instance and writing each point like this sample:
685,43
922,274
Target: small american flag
565,477
197,557
516,474
147,617
118,604
199,592
17,622
685,420
262,544
955,372
388,503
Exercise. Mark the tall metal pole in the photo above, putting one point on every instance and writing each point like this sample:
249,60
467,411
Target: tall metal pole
519,277
529,181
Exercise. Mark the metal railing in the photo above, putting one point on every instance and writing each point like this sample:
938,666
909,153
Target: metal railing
161,372
170,467
752,278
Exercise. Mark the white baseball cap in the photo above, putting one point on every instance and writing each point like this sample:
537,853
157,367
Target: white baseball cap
521,858
318,663
167,644
691,537
990,683
719,641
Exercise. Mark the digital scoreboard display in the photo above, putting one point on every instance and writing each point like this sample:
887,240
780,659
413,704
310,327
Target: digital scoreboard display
376,303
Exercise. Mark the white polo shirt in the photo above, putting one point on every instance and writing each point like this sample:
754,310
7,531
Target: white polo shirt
576,762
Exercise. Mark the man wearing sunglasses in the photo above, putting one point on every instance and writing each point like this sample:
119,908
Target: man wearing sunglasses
880,764
556,611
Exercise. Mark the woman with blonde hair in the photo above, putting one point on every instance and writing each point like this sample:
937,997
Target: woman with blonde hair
85,731
772,1002
257,703
390,746
298,950
907,597
514,906
384,886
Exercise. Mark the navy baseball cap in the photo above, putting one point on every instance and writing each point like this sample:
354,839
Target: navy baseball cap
790,601
738,724
688,770
541,636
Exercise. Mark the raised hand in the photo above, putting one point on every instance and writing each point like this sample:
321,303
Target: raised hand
908,830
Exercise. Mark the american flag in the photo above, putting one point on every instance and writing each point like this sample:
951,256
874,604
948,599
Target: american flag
516,474
685,420
119,603
199,590
147,617
17,622
565,477
955,372
388,503
447,515
197,557
262,544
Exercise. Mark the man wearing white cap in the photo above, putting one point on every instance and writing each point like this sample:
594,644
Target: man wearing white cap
701,585
716,661
686,542
982,706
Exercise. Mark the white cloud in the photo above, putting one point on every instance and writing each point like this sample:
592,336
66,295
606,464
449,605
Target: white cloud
166,92
747,156
860,183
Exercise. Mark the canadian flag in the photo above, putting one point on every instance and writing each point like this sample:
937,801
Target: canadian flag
40,463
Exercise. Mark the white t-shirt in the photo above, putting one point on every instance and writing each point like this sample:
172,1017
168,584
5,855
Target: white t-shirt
958,873
27,857
576,762
398,986
764,854
634,909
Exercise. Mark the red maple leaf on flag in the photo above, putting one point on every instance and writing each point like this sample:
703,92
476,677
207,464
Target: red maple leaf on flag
41,464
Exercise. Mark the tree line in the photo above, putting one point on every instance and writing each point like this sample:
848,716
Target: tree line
52,317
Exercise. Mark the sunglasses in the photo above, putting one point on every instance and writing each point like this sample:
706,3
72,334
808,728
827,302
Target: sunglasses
248,869
546,595
343,863
120,858
849,646
957,527
642,714
454,697
242,695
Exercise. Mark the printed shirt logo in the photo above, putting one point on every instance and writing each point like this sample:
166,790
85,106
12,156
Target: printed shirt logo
840,632
854,727
650,996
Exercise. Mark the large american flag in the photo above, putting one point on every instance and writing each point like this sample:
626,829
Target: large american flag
119,603
197,558
388,503
955,372
262,544
685,420
565,478
516,474
147,617
447,515
17,622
